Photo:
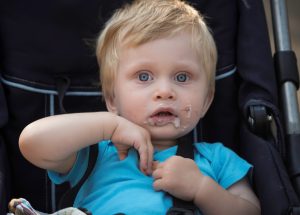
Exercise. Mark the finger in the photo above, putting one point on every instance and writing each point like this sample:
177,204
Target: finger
150,157
160,165
157,174
143,154
158,184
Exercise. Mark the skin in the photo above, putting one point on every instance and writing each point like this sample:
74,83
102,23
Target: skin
161,62
154,79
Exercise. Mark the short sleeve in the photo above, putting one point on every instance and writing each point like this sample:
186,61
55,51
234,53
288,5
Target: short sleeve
79,167
228,166
77,171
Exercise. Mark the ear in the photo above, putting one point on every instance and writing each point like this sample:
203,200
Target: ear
110,105
207,102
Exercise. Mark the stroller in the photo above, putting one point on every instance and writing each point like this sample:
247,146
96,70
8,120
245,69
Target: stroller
245,101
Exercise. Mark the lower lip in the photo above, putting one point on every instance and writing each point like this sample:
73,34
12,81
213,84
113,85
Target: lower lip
164,120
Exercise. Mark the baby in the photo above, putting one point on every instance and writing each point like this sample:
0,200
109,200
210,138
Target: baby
157,61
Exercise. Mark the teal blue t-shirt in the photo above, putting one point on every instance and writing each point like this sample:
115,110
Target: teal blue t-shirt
116,186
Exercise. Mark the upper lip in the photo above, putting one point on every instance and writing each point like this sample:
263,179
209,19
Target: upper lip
163,109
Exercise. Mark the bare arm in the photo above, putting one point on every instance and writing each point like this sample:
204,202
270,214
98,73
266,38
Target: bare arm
238,199
53,142
207,195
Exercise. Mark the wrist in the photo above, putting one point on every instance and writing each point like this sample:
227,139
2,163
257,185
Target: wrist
202,190
112,122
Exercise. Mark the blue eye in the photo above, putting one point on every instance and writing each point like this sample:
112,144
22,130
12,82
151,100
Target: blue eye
144,76
181,77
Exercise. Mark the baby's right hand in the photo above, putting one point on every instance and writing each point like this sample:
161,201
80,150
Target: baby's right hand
127,135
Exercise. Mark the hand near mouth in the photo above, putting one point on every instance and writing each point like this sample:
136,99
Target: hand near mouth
127,135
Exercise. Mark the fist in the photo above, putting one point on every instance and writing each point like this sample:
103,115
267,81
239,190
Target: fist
178,176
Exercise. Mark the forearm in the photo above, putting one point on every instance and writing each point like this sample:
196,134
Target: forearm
212,199
56,139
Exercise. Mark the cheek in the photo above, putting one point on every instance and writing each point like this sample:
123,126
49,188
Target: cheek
191,108
188,116
128,109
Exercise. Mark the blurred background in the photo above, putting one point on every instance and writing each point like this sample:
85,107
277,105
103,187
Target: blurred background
293,10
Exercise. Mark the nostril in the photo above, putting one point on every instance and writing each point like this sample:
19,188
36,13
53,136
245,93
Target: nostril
164,97
164,94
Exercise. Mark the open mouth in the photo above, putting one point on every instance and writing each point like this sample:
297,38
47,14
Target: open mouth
164,117
163,114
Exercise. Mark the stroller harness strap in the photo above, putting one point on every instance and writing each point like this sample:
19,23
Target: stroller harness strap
185,149
70,195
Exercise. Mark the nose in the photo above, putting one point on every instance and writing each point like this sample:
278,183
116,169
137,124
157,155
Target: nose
164,91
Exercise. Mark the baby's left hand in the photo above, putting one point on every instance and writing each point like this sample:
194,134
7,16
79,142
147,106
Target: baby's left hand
178,176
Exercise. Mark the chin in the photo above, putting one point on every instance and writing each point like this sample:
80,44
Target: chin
166,134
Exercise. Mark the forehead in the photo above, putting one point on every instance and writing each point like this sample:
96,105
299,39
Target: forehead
176,49
180,44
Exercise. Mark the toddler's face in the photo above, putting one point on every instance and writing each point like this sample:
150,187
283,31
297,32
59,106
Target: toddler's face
161,86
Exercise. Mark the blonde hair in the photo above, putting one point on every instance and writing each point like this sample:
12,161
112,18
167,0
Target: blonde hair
147,20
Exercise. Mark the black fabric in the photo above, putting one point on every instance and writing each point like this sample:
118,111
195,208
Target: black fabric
20,116
40,41
293,160
3,107
4,177
62,84
4,165
185,146
183,210
270,179
294,211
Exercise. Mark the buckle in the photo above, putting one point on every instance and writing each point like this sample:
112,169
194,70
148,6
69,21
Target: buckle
181,211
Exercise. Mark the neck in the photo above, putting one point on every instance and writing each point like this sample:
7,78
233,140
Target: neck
163,144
